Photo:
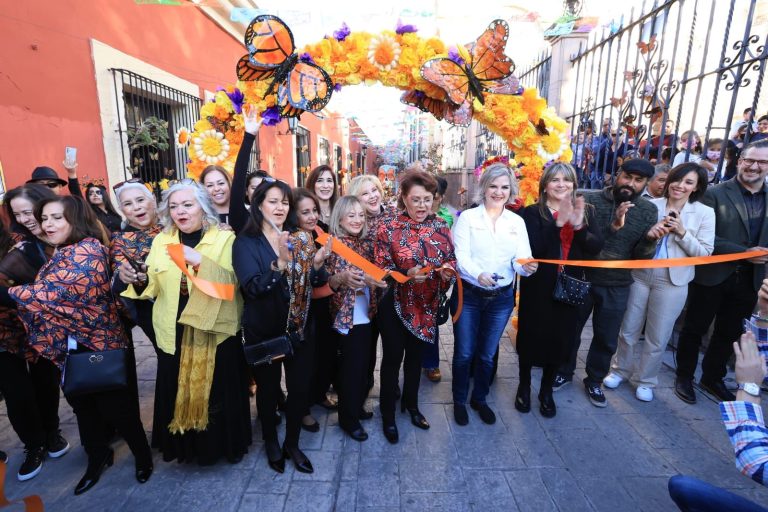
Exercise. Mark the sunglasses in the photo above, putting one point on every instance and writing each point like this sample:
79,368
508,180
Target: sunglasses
132,180
49,184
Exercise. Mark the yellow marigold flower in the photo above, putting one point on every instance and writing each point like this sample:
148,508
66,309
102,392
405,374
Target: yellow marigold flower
209,109
203,124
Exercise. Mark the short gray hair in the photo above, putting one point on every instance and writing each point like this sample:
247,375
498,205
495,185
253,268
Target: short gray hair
340,209
133,186
492,172
203,199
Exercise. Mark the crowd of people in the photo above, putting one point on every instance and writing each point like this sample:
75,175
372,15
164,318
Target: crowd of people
76,277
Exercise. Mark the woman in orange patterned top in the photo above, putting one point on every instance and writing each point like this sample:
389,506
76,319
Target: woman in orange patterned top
411,243
70,308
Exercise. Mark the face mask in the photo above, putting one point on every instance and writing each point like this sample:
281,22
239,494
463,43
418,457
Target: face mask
713,155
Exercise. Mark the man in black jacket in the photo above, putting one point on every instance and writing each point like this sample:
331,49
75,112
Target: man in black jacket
725,292
624,218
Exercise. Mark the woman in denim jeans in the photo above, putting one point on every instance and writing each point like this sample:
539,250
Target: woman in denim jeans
488,240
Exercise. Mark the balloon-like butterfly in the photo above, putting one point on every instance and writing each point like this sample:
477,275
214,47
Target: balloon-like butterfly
487,70
460,115
301,85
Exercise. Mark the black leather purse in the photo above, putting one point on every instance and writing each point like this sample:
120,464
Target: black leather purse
93,372
570,290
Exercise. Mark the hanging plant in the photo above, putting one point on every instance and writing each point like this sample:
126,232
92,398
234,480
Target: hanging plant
152,134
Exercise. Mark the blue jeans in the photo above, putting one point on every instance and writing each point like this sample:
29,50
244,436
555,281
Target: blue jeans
477,333
693,495
430,356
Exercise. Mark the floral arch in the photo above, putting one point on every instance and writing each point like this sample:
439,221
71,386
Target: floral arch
393,58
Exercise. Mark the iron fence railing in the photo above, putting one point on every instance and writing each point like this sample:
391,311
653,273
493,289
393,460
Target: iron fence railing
676,66
537,74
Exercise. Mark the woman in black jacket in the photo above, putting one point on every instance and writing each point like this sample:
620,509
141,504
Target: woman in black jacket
276,271
98,199
558,227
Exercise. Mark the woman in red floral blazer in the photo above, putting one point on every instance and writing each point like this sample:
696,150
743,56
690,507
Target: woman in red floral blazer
412,240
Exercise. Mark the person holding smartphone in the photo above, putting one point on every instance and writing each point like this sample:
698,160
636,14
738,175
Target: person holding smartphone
685,228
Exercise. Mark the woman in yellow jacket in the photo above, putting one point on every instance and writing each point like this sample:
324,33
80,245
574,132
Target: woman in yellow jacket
202,408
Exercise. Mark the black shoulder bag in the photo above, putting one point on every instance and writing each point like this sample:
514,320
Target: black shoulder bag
568,289
87,372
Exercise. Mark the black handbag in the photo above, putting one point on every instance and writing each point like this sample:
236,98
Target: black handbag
93,372
87,372
268,351
443,308
570,290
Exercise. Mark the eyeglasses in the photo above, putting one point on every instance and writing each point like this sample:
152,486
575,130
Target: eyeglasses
132,180
419,202
749,162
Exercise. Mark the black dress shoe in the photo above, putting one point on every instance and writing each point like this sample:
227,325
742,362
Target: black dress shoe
144,471
547,406
418,419
460,414
684,390
275,456
390,432
300,461
93,473
359,434
717,388
523,399
365,415
485,412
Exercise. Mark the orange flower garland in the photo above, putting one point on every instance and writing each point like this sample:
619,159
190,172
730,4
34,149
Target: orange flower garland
395,60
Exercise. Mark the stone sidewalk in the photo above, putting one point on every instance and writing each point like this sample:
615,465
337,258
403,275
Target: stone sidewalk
614,459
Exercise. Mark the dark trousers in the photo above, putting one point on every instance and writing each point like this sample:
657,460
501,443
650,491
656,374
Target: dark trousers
547,378
607,305
326,351
31,397
728,303
374,342
399,347
694,495
353,374
97,412
298,371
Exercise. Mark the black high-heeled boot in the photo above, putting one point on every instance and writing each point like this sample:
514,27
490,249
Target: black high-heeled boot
547,406
95,468
523,399
275,457
300,461
417,418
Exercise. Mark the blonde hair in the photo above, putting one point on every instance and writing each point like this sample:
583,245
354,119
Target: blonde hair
355,187
340,209
492,172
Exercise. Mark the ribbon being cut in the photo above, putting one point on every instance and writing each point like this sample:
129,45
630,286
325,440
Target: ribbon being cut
664,263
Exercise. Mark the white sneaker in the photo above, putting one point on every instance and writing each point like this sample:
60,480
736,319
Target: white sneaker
612,380
644,393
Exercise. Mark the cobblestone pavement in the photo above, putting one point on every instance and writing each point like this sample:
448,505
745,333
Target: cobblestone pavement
614,459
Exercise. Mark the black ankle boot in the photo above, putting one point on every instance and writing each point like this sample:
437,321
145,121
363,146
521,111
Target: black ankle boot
523,399
95,468
547,406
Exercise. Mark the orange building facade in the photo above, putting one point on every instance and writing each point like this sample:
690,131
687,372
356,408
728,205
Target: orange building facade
83,74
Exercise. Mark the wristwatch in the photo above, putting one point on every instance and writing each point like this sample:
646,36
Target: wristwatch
750,388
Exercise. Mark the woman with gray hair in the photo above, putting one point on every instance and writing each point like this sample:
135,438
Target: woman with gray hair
488,241
202,408
559,227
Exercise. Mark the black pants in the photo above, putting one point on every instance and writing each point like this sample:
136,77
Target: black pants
728,303
31,396
95,414
547,377
397,342
607,305
372,352
298,375
326,351
353,375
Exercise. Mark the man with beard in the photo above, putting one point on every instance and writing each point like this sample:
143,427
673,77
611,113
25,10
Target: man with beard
725,292
624,218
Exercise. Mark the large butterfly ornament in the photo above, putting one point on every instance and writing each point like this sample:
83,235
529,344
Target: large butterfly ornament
459,115
300,85
486,70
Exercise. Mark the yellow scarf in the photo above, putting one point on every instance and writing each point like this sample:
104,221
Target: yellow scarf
204,318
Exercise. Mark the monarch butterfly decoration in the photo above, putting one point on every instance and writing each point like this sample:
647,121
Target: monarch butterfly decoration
480,67
460,115
300,84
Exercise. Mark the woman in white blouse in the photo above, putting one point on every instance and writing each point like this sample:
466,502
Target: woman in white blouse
488,240
686,227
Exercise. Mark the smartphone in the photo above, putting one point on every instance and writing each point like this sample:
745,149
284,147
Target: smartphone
70,154
136,264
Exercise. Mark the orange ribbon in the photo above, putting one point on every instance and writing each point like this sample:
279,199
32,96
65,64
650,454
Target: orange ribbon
663,263
31,503
380,274
221,291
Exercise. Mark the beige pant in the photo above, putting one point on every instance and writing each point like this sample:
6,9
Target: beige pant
656,303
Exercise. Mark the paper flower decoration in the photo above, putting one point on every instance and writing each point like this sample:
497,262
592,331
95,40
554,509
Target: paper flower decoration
552,145
211,147
182,137
383,52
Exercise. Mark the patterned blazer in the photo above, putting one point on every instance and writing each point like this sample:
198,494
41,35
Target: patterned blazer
343,301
